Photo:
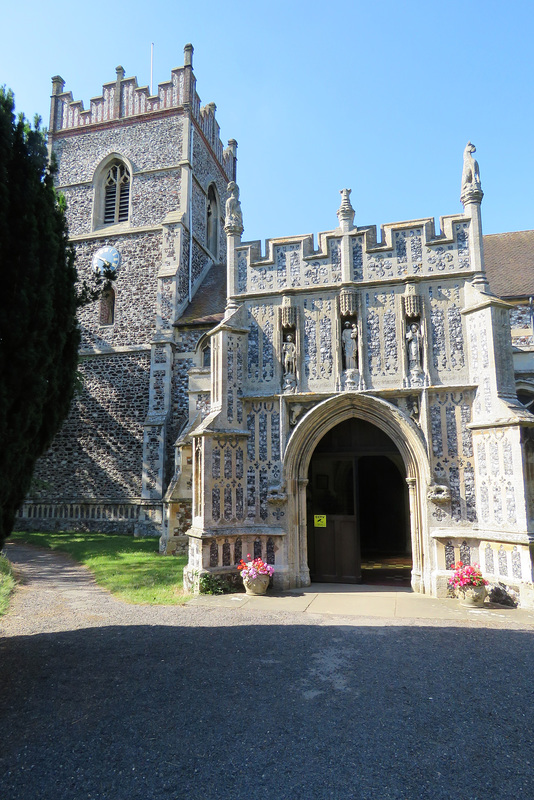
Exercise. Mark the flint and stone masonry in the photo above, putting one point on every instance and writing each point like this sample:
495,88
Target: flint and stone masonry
238,400
111,464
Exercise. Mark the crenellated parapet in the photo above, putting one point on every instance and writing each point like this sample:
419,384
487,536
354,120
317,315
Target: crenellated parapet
406,250
123,99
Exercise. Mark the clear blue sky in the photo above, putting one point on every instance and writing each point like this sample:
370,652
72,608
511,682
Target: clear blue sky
377,97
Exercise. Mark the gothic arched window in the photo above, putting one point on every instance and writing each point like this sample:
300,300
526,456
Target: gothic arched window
212,221
116,193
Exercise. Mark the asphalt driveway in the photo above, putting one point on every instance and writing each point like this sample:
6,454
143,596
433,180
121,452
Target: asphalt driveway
106,700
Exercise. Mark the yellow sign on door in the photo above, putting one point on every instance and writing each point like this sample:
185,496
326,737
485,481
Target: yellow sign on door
319,521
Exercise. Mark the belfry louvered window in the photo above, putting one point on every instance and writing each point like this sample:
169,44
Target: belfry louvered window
117,194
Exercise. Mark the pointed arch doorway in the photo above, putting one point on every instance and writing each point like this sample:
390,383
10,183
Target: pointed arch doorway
357,504
305,437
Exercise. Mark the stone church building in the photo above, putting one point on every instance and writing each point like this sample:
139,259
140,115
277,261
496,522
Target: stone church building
345,407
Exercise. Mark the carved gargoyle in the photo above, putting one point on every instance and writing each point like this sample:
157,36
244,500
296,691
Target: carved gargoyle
277,494
439,494
296,410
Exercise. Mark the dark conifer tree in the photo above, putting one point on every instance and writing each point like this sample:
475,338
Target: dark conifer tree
39,335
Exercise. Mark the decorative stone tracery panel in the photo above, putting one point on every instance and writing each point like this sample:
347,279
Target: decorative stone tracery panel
452,453
382,336
261,344
319,321
498,501
227,493
235,377
447,331
263,455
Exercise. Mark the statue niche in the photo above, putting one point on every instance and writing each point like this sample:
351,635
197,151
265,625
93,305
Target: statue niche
289,359
349,347
414,346
414,340
289,350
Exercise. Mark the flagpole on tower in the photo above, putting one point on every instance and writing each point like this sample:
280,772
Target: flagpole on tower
151,66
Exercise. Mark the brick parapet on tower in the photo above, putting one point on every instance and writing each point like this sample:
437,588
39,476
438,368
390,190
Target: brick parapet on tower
122,100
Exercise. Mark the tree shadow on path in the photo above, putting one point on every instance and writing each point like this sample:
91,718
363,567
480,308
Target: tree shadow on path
267,710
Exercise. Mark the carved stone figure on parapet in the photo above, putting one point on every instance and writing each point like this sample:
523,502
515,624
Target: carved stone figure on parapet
471,187
233,223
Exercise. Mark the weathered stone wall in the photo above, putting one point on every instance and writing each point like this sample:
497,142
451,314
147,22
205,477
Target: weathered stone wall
79,201
98,452
521,326
135,289
452,462
153,144
79,516
154,195
207,170
188,339
179,406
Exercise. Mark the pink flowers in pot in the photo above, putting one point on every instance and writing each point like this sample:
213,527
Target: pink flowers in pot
464,576
251,569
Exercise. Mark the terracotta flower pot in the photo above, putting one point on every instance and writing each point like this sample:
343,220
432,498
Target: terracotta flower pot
256,585
471,595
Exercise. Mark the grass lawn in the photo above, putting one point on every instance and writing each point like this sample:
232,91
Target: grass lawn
131,569
7,584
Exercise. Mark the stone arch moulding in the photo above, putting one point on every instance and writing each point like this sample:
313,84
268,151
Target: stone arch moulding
404,434
98,188
203,350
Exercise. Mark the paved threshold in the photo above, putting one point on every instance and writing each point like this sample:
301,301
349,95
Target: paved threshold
364,601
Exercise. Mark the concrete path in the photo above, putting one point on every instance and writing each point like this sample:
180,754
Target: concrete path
57,587
356,602
253,698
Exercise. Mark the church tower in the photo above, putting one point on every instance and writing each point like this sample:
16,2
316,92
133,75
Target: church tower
145,180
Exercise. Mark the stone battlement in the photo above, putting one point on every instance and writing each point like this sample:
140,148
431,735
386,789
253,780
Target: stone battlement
122,99
406,250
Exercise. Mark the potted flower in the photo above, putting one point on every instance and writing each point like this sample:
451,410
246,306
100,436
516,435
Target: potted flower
256,575
468,583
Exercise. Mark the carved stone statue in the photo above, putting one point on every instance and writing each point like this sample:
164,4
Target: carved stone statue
234,217
349,343
289,350
414,342
289,357
471,188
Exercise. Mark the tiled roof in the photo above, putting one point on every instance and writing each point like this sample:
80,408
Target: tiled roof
208,304
509,260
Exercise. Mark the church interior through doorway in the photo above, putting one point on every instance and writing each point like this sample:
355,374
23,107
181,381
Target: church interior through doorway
358,508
